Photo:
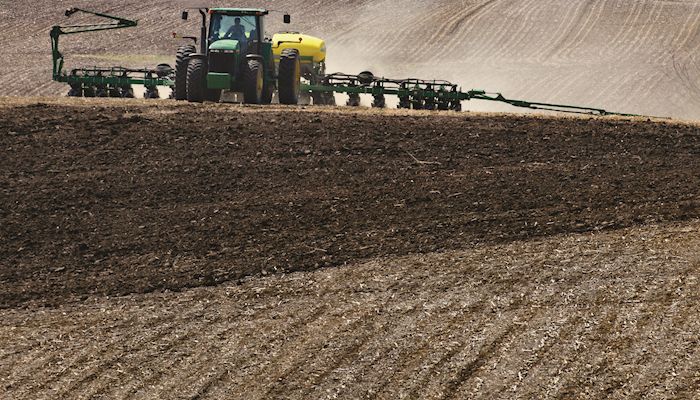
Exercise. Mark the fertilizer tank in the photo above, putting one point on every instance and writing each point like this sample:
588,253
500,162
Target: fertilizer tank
311,49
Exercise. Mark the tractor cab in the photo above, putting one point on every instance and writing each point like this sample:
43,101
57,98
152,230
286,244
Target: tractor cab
234,37
235,31
234,56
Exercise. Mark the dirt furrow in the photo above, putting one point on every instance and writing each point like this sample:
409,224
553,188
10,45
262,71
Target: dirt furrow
572,29
570,314
518,45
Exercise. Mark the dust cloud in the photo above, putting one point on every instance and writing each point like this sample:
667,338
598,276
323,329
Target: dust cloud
626,56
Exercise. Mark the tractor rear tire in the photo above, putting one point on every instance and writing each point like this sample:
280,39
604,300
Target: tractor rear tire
181,61
253,83
289,79
196,81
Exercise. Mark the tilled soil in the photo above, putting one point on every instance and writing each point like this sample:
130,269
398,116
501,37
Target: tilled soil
109,198
633,56
609,315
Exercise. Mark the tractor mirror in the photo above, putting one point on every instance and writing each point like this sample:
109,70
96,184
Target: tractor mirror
287,19
185,15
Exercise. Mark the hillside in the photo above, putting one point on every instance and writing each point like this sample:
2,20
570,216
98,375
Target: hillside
628,55
108,198
615,319
167,250
173,250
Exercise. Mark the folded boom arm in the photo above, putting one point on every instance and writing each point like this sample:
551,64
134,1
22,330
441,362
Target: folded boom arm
57,31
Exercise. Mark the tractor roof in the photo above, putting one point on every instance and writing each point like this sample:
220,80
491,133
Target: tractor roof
240,11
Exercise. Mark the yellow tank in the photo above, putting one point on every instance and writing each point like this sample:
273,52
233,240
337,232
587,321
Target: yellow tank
309,47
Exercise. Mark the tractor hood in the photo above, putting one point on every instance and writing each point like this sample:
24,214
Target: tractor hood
225,44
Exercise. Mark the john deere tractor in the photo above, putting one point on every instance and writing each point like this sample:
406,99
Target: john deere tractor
235,55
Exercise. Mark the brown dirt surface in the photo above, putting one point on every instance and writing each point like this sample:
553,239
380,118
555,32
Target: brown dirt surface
165,250
109,198
606,315
438,256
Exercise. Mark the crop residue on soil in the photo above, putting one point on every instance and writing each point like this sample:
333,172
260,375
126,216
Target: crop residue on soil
109,198
163,250
605,315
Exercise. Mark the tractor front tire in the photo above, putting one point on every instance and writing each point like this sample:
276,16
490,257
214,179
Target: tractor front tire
253,83
289,78
181,61
196,81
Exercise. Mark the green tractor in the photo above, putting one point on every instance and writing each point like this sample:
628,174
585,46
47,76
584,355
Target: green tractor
234,55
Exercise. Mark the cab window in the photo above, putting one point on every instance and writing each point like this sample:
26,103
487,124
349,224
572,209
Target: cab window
231,27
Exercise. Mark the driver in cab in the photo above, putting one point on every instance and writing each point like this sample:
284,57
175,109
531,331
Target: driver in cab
236,31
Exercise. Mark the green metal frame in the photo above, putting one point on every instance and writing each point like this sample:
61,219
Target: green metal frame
97,76
431,95
217,80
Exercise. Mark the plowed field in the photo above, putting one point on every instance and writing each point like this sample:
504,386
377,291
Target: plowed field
165,250
119,198
637,56
601,316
